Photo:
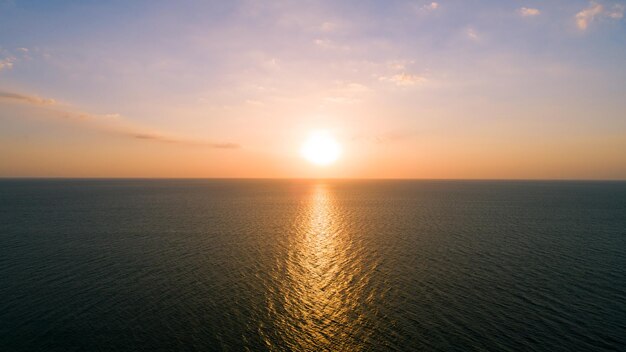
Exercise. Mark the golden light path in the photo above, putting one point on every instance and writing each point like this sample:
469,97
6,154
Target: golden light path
322,291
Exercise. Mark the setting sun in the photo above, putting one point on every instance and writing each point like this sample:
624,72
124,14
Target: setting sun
321,148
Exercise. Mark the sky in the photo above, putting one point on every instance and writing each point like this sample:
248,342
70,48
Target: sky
409,89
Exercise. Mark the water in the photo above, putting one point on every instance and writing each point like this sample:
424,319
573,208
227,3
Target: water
126,265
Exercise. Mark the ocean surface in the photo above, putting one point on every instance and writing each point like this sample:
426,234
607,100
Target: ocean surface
304,265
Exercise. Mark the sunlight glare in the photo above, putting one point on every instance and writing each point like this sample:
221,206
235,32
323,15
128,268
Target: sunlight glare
321,148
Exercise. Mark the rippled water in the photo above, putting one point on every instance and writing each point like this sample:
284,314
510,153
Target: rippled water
121,265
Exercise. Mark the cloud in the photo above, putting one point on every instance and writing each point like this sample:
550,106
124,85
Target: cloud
30,99
8,58
472,34
430,7
324,43
6,63
327,44
399,65
110,123
423,9
596,10
528,12
165,139
584,17
403,79
616,12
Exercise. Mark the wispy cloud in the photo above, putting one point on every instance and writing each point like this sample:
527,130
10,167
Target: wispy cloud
110,123
432,6
472,34
6,63
9,58
165,139
398,65
30,99
528,12
596,10
403,79
327,44
616,12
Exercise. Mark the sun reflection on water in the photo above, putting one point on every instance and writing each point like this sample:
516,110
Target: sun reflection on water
320,295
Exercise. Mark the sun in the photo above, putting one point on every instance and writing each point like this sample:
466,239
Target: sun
321,148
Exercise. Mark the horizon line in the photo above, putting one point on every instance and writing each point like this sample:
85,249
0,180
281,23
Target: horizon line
2,178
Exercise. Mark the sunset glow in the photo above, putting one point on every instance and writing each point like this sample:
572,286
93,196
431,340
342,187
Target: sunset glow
232,89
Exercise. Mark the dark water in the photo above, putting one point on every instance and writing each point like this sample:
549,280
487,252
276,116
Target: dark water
125,265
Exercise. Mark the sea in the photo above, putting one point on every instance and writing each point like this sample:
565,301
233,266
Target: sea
312,265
